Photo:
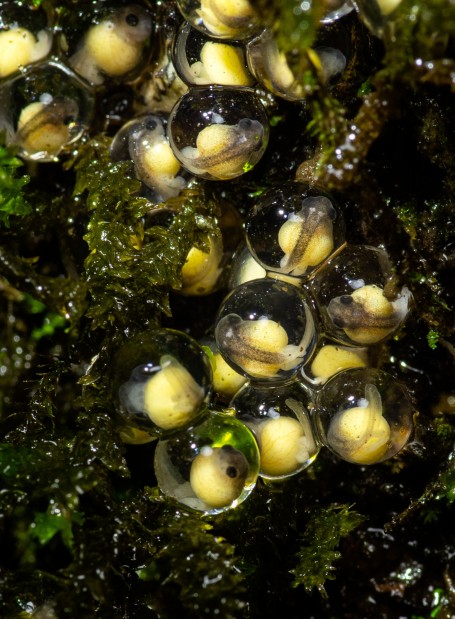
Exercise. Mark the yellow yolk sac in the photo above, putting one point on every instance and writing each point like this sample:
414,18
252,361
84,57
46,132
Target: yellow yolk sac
361,434
226,381
220,64
44,129
218,475
115,46
19,47
332,359
172,396
282,444
202,270
228,18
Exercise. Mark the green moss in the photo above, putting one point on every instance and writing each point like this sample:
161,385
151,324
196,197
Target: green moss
317,554
130,270
13,201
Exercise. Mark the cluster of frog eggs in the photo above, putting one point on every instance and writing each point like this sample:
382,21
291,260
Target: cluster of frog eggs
290,354
289,358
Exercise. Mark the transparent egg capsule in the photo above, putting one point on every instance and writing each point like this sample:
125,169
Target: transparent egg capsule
144,141
107,40
357,297
281,72
212,467
226,381
200,60
218,133
273,68
335,9
280,421
293,228
364,415
25,37
376,14
44,110
331,358
333,47
265,330
223,19
244,268
160,381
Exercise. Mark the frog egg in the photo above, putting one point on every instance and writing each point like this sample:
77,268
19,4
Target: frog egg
200,60
218,133
333,47
376,14
280,421
226,381
358,303
144,141
293,228
114,43
45,110
265,330
330,359
272,68
20,47
212,467
335,9
202,268
364,415
160,381
25,36
223,19
244,268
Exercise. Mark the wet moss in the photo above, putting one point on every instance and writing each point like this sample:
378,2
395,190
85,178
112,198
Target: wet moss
83,530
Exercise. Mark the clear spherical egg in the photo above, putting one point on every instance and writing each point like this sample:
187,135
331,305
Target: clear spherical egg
364,415
265,330
211,467
45,110
107,41
25,36
293,228
358,298
160,381
218,133
224,19
201,60
143,140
